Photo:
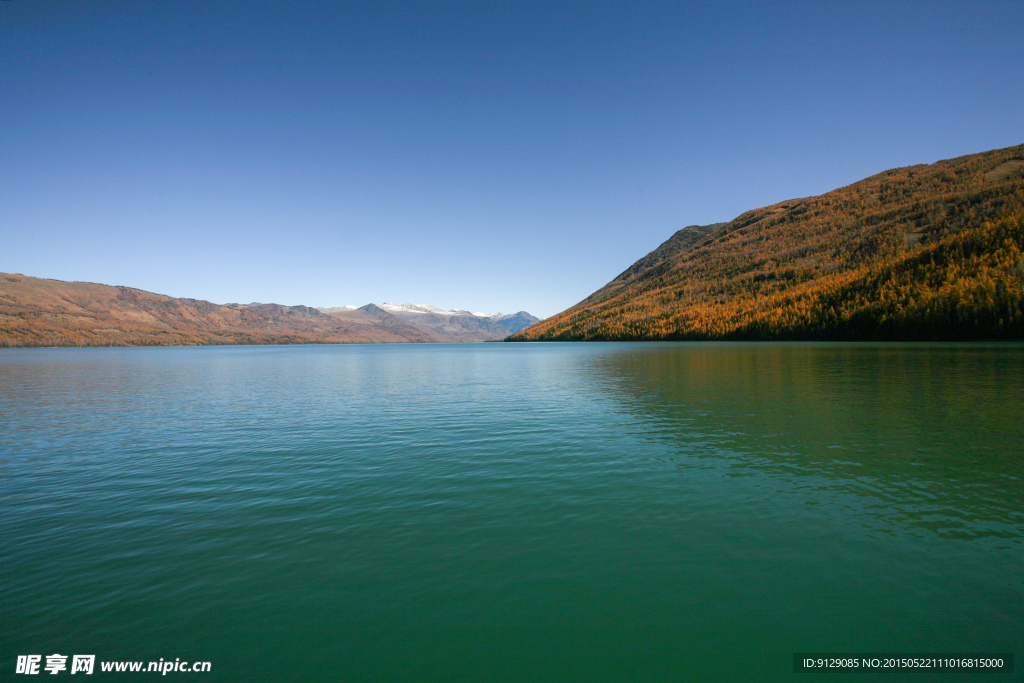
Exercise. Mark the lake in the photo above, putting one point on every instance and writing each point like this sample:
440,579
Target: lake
512,512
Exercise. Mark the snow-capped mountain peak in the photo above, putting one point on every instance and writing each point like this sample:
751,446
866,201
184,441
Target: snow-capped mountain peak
427,308
456,325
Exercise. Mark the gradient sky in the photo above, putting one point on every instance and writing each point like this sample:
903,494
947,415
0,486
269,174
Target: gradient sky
482,155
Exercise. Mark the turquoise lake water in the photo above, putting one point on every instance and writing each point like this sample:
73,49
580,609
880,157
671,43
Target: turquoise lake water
512,512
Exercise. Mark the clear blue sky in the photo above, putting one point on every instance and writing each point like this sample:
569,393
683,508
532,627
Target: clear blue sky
483,155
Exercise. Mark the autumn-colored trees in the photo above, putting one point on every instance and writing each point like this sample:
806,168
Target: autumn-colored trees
924,252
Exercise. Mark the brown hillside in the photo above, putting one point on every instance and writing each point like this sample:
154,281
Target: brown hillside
39,312
923,252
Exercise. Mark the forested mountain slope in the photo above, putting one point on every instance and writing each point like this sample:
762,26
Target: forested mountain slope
923,252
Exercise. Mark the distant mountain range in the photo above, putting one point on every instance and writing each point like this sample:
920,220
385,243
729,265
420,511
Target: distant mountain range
40,312
923,252
447,326
457,325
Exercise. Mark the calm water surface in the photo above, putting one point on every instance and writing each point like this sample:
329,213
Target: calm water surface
499,512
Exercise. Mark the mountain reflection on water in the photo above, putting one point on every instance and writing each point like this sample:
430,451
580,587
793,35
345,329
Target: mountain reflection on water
916,436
